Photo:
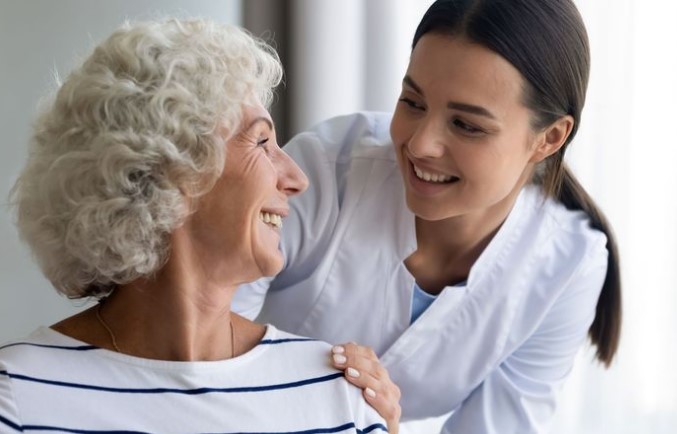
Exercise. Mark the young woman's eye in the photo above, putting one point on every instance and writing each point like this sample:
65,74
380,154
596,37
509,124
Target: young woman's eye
467,128
411,103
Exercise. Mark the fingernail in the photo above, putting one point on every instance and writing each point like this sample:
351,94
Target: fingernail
353,372
338,349
370,392
339,359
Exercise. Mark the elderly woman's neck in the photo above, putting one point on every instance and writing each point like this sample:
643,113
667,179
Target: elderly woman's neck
182,313
172,319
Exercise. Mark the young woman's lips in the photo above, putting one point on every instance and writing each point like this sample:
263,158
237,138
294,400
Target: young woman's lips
427,188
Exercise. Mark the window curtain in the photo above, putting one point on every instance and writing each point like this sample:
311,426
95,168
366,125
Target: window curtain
625,155
350,55
339,56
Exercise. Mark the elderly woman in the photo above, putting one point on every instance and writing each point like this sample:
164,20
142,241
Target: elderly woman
155,184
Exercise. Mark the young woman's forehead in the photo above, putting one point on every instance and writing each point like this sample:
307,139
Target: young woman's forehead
452,67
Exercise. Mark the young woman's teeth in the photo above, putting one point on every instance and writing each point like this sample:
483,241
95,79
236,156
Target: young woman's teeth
271,219
432,177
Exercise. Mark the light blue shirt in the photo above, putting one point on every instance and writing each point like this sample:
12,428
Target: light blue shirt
421,300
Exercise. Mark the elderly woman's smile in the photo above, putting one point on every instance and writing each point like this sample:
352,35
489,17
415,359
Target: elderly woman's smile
271,218
241,216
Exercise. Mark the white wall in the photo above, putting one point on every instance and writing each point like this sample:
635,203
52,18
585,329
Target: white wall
36,38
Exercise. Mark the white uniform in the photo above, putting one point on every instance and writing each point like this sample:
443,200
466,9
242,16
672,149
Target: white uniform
53,383
496,350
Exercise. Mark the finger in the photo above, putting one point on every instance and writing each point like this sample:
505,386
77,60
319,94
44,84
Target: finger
379,390
370,385
341,354
363,369
352,349
388,408
365,373
360,366
378,385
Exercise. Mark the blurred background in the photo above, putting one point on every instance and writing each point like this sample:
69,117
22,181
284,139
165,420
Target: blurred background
349,55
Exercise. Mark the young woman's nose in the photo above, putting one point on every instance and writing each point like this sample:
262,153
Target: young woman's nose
427,141
291,179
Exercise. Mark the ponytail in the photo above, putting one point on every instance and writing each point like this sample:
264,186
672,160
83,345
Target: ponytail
605,330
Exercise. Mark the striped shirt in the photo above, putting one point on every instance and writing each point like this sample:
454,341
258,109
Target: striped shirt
50,383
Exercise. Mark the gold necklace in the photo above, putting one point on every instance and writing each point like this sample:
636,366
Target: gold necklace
103,323
117,348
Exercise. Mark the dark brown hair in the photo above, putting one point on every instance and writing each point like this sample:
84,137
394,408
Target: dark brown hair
546,41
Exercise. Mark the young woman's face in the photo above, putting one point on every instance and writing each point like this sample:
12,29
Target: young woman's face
461,132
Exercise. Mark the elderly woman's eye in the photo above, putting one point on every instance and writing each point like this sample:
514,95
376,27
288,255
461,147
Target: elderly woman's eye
263,143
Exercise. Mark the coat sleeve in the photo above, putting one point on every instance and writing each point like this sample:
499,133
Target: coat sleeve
9,415
519,395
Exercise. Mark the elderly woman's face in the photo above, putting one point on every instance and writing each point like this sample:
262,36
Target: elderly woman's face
240,219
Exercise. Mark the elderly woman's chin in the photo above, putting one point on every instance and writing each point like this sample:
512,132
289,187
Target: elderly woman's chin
267,255
272,268
266,264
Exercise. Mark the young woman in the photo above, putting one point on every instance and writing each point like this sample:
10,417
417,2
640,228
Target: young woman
451,237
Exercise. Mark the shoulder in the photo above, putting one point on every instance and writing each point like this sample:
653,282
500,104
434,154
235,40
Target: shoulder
304,361
564,266
42,338
556,263
298,349
310,360
565,235
545,246
30,352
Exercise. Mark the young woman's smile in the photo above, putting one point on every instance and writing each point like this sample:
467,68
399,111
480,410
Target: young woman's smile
460,129
429,181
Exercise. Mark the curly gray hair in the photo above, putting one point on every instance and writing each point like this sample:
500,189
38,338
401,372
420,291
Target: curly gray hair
126,139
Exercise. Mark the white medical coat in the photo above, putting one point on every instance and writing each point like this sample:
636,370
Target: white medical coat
494,352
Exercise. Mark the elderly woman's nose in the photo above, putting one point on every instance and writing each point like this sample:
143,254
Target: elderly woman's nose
291,178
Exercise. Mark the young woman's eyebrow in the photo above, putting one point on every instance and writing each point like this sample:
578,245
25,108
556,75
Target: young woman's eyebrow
469,108
412,84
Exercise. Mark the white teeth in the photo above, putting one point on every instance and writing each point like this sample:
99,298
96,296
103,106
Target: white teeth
432,177
271,219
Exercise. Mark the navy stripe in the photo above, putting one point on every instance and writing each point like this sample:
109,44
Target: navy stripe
309,431
373,427
283,341
58,347
77,431
11,424
92,347
198,391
